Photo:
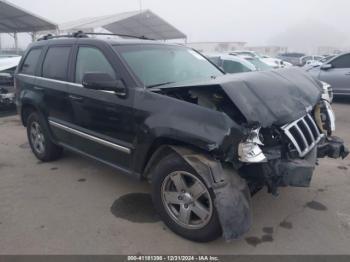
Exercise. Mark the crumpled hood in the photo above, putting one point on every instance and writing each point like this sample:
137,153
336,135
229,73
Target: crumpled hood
272,97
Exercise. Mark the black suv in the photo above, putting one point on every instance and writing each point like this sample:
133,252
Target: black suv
205,140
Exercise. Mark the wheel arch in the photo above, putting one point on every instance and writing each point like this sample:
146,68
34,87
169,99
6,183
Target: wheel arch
26,110
162,147
201,161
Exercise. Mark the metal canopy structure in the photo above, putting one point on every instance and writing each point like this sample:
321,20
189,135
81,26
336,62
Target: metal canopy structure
138,23
14,19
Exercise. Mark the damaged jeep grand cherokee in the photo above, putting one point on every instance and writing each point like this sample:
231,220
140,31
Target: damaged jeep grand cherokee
205,140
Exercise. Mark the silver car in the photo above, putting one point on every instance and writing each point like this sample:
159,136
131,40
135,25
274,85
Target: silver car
335,72
231,64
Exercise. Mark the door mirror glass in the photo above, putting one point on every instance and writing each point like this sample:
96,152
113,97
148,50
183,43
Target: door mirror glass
104,82
326,66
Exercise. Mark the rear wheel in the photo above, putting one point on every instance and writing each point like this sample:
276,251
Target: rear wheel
42,146
184,202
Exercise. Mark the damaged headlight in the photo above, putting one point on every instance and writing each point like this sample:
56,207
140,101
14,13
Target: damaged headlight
327,92
325,117
249,151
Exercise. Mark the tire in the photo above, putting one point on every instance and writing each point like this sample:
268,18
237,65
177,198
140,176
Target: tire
171,168
42,146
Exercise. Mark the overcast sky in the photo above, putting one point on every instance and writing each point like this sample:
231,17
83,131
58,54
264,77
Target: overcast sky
257,22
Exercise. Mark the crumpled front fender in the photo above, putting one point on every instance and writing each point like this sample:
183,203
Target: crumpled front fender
233,200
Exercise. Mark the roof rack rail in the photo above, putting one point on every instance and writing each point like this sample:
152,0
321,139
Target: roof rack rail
51,36
81,34
121,35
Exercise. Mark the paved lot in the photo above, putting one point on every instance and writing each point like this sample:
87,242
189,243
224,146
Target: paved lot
78,206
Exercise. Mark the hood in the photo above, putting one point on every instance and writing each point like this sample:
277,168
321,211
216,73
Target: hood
274,97
9,62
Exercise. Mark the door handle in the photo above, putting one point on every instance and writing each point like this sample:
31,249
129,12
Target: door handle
347,74
75,98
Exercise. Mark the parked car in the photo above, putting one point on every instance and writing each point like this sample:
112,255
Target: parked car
275,62
8,65
270,61
258,63
310,59
335,72
293,58
231,64
162,112
244,53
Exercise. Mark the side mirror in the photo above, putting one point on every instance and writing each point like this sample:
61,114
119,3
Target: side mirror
104,82
326,66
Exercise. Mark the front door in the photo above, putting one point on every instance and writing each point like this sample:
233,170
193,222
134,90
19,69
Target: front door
103,122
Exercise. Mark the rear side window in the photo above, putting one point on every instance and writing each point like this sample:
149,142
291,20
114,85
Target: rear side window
31,61
56,62
92,60
342,61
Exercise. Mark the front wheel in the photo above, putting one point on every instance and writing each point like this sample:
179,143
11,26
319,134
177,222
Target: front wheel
184,202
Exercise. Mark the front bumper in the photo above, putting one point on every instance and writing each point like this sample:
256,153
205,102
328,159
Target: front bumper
297,172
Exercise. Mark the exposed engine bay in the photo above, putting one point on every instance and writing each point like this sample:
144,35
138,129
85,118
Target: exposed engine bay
276,155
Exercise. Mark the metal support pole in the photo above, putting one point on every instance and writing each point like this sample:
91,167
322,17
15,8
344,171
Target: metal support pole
15,37
33,35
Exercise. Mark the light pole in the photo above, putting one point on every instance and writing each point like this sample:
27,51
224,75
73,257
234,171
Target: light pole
140,3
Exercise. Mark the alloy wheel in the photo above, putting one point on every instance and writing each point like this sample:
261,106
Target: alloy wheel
187,200
37,138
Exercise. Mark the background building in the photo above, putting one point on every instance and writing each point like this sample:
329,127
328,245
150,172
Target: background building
269,50
329,50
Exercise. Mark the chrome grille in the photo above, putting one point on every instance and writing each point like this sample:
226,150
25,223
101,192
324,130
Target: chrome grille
303,133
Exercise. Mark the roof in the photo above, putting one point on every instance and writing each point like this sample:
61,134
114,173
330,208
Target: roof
136,23
15,19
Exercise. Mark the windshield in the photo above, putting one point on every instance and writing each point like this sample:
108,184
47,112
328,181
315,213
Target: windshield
156,64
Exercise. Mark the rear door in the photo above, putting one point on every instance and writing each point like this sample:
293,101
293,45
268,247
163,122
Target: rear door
26,75
339,75
102,121
53,84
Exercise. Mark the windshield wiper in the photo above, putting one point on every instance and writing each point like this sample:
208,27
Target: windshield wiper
161,84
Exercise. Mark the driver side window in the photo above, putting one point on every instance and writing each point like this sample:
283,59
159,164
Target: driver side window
91,60
342,61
